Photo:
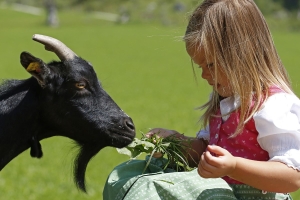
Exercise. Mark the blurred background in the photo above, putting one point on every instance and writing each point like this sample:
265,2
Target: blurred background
165,12
136,49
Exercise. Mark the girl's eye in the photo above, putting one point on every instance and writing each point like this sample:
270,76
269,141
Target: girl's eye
80,85
210,65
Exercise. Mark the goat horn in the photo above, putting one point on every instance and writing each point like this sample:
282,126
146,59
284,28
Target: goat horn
56,46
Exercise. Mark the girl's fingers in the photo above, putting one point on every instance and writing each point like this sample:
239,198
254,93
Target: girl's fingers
149,134
218,151
214,155
203,173
210,159
201,169
216,162
152,132
205,169
161,132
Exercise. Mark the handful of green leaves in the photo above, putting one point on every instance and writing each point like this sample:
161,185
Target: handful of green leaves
172,148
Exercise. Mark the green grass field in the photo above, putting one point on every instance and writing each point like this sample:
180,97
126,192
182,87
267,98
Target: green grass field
143,67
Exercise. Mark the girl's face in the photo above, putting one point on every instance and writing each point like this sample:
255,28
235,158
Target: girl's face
221,83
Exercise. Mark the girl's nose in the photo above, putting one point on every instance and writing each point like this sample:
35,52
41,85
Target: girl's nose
205,74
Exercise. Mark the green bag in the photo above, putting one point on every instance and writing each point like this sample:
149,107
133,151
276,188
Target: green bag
132,180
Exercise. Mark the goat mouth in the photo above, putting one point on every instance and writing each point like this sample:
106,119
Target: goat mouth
121,139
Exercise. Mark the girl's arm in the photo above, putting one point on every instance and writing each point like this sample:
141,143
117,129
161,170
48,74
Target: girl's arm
270,176
198,146
265,175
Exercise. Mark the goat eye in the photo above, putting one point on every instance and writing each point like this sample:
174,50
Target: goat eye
80,85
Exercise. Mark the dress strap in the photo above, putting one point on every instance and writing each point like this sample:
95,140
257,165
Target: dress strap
275,89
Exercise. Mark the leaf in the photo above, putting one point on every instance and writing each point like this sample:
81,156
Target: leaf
172,147
166,144
124,151
136,148
147,164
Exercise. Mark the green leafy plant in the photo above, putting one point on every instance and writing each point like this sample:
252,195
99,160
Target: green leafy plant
172,148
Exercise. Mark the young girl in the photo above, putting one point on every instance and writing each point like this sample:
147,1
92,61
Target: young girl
250,148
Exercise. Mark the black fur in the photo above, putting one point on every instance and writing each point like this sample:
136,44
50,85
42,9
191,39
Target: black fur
51,103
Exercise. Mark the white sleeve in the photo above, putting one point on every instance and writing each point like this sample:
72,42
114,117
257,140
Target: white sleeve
278,125
204,133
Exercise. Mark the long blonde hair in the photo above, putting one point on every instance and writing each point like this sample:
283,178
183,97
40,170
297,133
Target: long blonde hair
236,36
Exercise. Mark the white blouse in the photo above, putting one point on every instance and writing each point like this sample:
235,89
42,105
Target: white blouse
278,126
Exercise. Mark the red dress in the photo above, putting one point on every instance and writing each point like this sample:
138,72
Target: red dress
244,145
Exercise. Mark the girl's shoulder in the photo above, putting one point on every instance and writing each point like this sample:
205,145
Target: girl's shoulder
279,113
279,102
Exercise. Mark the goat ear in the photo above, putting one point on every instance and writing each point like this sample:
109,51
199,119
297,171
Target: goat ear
35,66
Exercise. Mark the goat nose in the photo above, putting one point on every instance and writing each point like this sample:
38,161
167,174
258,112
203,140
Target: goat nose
129,124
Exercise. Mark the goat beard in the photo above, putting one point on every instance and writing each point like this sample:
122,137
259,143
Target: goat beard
85,154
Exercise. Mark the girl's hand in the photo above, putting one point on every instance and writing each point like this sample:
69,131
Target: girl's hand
220,164
161,132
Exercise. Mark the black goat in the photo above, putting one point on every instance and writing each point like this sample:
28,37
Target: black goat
61,98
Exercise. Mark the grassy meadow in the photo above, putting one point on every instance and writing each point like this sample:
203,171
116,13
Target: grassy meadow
144,67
